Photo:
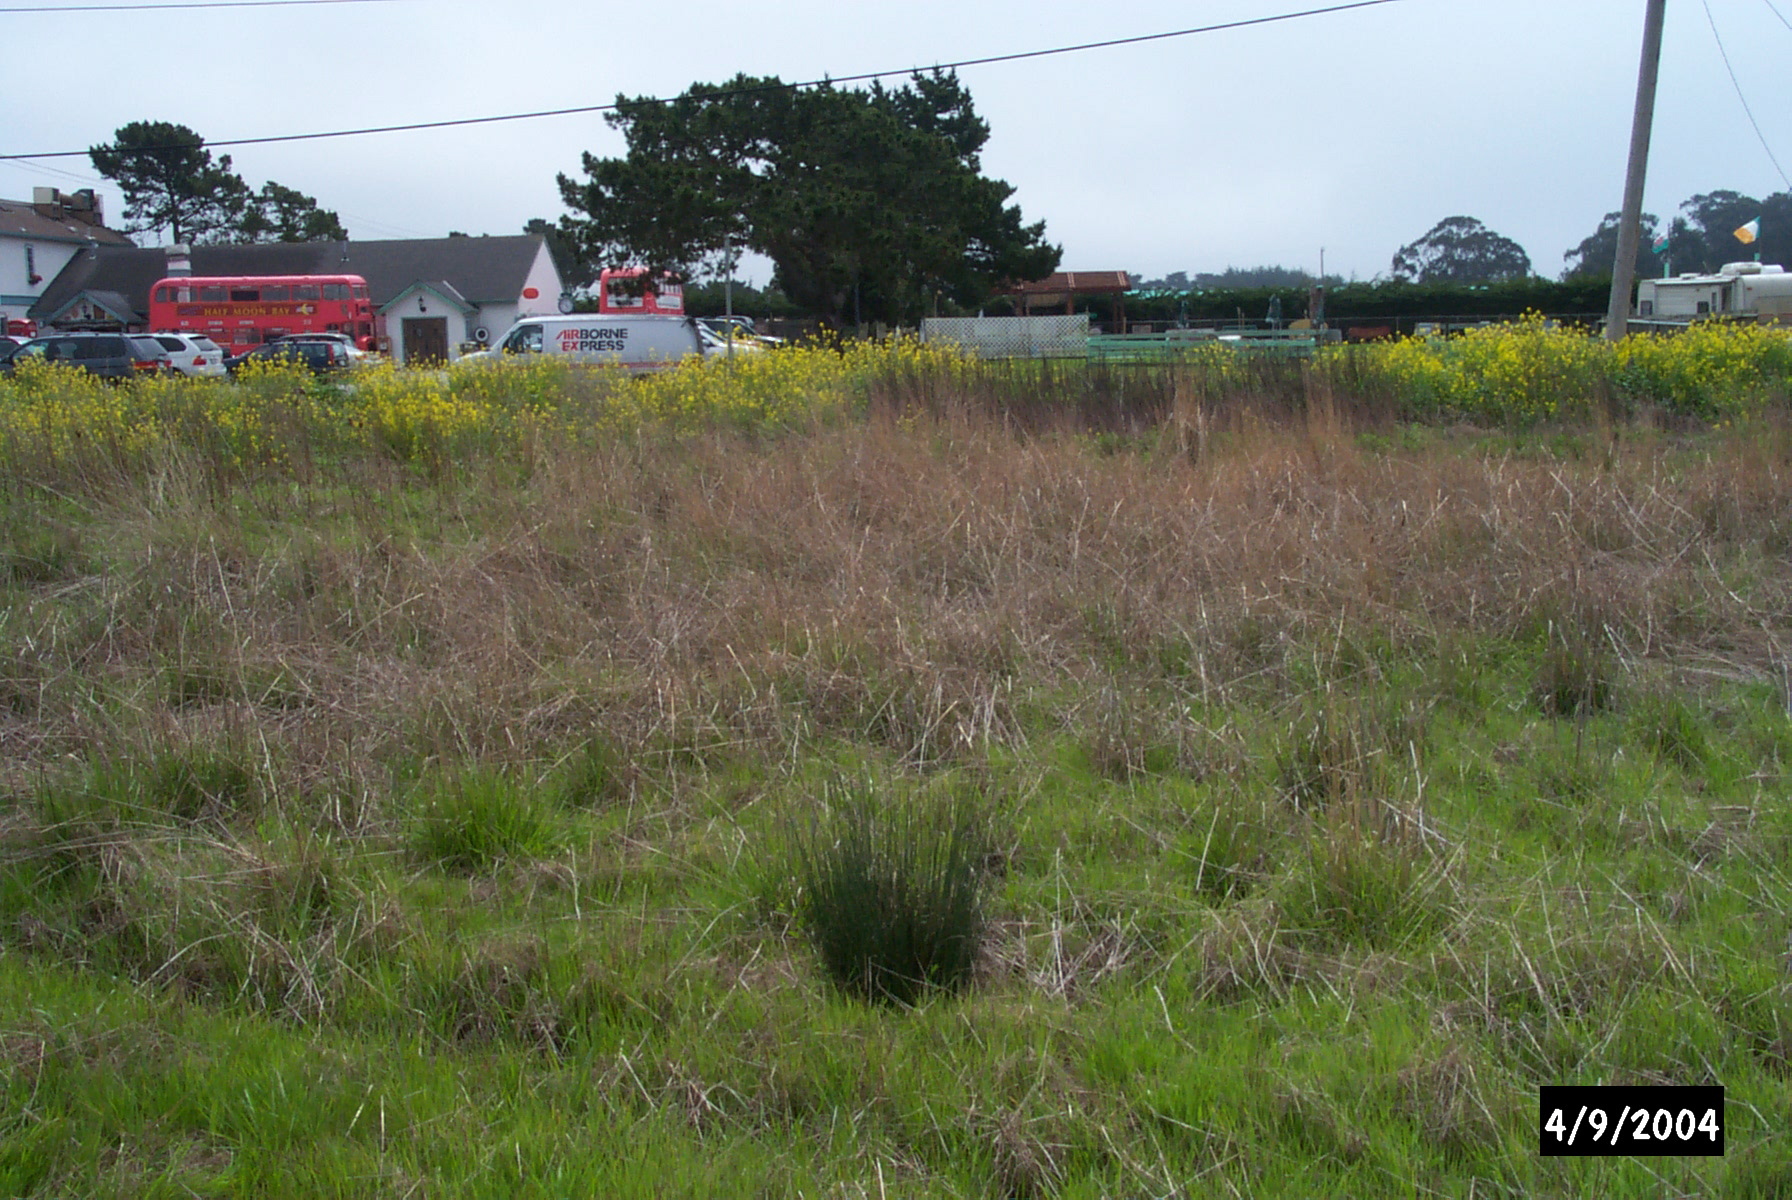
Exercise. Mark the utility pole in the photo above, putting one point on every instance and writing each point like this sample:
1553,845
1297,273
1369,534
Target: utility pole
1617,317
728,291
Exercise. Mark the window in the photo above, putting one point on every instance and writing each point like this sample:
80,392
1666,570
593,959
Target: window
360,291
1646,308
1704,306
306,291
335,291
276,293
211,295
99,347
244,295
164,295
525,339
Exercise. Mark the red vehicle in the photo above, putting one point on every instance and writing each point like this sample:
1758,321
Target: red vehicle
622,290
240,312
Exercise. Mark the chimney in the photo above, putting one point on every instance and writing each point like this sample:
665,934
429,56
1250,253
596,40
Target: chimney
47,202
180,260
85,207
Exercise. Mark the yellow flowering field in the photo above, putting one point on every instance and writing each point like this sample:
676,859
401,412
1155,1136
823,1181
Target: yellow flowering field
56,415
1532,370
1517,374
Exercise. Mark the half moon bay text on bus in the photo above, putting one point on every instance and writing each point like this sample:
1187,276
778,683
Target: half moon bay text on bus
245,310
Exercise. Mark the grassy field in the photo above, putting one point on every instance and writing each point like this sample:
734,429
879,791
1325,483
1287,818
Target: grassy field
427,789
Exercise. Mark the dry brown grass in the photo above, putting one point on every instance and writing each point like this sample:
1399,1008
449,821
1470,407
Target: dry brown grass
916,581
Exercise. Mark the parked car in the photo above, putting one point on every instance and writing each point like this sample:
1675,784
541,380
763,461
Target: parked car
108,355
193,354
319,356
743,329
341,339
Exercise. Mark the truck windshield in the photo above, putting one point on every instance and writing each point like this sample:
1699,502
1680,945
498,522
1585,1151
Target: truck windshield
524,339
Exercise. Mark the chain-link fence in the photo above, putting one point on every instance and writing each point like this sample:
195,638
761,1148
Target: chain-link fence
1058,335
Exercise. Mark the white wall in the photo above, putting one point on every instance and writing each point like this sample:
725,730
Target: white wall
406,310
495,317
16,293
498,317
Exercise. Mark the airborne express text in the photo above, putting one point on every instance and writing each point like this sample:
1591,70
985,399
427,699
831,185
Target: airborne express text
594,341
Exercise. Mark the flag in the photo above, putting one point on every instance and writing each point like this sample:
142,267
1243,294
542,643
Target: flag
1660,243
1749,232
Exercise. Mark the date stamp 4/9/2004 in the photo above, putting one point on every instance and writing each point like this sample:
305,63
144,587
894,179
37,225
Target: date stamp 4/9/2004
1630,1120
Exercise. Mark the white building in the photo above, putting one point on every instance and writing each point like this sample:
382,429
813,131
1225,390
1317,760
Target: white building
39,239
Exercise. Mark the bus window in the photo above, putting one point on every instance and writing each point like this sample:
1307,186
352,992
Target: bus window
305,291
244,294
164,295
276,293
335,291
211,295
360,291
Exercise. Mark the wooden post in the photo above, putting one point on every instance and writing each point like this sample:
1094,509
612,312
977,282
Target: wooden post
1624,268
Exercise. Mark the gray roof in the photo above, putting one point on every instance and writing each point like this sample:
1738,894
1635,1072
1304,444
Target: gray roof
440,287
20,219
485,270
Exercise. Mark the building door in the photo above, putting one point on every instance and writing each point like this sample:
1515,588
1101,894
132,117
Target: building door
425,340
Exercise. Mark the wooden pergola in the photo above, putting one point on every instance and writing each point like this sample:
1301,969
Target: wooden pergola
1063,289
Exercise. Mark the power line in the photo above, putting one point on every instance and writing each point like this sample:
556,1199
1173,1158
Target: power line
1737,84
45,168
1776,12
125,8
869,75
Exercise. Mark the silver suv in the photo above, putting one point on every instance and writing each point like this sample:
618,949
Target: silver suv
194,355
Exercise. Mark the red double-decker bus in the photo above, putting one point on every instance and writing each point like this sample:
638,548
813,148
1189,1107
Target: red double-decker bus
623,290
240,312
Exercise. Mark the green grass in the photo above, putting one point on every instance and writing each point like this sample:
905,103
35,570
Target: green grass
1266,817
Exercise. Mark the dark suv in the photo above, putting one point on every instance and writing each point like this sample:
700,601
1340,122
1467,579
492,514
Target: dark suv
321,357
108,355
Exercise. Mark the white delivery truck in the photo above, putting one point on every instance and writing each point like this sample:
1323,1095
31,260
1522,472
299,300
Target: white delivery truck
634,343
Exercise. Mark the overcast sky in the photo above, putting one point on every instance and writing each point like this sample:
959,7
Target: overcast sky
1355,131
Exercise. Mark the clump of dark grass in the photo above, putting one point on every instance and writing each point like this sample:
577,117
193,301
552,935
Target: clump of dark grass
474,820
1369,878
1340,746
1574,678
594,775
1671,728
186,784
891,891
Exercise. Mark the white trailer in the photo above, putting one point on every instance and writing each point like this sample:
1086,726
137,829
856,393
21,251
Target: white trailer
1741,290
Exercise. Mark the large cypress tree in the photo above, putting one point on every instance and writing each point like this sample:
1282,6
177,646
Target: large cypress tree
866,200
